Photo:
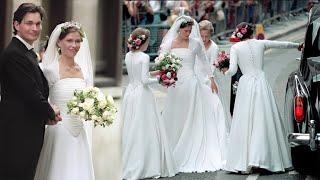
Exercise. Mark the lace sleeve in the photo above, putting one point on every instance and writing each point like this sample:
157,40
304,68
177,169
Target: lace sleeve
203,60
279,44
233,67
145,71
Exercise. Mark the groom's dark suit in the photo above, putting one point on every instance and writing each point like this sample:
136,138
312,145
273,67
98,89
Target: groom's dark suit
24,110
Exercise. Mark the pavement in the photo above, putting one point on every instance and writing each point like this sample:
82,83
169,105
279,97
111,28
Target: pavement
274,31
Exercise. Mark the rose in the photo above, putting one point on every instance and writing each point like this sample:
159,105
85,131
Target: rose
82,114
137,42
169,75
243,30
88,103
164,77
75,111
110,99
102,104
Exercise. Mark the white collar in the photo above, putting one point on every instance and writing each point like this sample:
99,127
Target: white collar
24,42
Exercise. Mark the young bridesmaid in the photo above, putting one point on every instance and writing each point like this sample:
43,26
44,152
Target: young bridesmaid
145,152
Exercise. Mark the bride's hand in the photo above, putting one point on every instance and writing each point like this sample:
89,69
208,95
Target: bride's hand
214,86
154,73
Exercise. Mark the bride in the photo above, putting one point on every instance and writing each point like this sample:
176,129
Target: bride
193,115
67,66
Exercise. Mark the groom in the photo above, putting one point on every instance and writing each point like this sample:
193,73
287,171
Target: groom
24,108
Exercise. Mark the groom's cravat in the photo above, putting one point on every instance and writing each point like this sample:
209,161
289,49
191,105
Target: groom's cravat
33,55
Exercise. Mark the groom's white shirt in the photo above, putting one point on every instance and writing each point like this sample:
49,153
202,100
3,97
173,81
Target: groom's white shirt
24,42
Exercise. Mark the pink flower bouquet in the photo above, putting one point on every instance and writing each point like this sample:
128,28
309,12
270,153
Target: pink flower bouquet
168,65
223,61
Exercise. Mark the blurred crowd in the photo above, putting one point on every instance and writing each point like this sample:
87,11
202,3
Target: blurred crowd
159,15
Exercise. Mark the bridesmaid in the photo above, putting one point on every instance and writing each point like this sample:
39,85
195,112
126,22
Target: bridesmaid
212,50
257,136
145,152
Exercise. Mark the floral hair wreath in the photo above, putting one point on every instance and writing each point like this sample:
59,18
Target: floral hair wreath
72,24
136,42
240,32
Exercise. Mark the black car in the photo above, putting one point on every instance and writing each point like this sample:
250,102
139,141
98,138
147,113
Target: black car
302,102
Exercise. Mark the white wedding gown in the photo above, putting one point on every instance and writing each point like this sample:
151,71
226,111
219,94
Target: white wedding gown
194,116
145,150
257,136
65,153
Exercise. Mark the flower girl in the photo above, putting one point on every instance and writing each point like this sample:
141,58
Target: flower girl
145,152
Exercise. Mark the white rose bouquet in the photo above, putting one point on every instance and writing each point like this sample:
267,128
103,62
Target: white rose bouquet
90,104
168,65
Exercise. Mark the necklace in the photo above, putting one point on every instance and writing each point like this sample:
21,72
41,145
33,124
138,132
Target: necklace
75,67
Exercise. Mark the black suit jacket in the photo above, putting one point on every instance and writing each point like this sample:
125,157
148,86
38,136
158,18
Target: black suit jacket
24,110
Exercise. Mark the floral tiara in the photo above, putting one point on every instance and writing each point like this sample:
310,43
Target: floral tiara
72,24
136,42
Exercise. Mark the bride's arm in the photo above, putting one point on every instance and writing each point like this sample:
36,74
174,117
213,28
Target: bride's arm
233,67
145,75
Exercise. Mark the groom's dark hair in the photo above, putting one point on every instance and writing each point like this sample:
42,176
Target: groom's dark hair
23,9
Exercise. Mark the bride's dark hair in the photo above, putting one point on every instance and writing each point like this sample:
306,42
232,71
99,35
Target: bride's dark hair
186,23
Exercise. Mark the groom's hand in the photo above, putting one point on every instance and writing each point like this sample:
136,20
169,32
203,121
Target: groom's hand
57,112
57,116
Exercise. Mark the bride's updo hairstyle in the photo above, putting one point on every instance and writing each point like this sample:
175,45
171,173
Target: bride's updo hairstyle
137,38
243,31
70,27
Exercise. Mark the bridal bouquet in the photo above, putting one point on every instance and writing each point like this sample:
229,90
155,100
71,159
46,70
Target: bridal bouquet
223,60
90,104
168,64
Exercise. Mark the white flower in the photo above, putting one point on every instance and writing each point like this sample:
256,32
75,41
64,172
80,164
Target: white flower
88,103
99,119
91,110
239,35
74,103
161,56
110,99
169,75
94,117
102,104
75,111
82,114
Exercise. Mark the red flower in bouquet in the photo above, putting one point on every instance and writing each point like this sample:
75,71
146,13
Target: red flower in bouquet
223,60
168,65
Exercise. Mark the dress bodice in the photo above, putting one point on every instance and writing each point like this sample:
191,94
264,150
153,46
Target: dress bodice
60,93
138,69
188,60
